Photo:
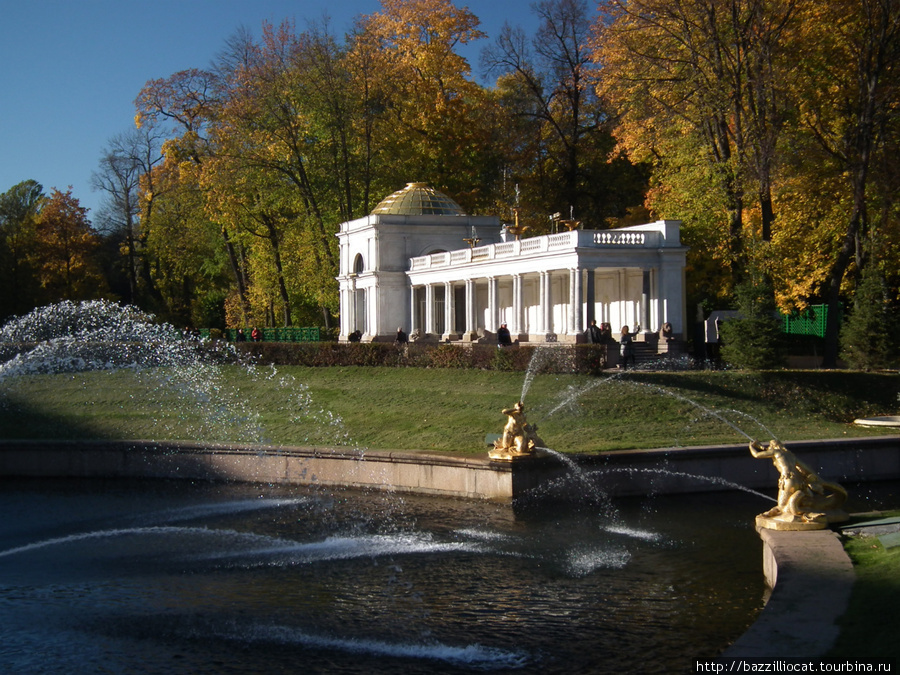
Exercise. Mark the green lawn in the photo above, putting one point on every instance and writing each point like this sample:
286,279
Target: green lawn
870,627
444,410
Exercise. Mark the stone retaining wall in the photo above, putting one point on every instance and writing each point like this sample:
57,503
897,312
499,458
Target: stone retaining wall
405,472
621,473
708,468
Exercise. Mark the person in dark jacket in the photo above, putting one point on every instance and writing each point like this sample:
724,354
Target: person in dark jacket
504,339
626,346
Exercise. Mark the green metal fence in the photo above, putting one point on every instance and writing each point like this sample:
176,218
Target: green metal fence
809,322
291,334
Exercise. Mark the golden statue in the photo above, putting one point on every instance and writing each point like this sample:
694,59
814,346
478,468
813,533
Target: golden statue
805,501
516,229
519,438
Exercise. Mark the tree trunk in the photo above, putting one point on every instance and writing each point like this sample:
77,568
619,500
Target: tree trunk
282,286
238,276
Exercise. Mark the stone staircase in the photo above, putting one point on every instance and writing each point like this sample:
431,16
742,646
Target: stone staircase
647,353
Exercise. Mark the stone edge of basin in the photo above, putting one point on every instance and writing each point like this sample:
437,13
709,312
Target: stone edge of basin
811,577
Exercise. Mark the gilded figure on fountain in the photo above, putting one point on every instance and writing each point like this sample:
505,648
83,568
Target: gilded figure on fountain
805,501
519,438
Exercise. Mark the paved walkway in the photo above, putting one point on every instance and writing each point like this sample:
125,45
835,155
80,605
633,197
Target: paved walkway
812,578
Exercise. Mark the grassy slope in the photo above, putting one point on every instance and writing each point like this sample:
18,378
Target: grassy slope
443,410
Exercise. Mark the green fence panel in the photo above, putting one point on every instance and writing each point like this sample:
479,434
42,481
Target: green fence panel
809,322
283,334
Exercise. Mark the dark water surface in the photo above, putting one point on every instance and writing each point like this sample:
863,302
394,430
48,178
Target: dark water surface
126,577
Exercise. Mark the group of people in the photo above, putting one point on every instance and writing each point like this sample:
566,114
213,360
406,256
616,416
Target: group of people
595,334
256,335
602,334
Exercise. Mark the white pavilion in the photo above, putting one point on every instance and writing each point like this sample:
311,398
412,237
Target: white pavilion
418,262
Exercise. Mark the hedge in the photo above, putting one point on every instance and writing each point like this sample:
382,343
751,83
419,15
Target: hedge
587,358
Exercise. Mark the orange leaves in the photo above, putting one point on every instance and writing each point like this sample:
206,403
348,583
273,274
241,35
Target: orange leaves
66,242
185,98
417,41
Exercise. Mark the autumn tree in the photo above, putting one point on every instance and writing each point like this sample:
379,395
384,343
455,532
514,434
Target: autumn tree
261,215
562,150
269,134
430,122
188,265
20,207
182,107
699,88
849,115
64,258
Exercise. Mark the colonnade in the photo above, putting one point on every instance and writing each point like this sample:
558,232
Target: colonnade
537,306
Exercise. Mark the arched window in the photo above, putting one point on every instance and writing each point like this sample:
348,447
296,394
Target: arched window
358,264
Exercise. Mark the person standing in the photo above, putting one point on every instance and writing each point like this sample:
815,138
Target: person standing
504,339
626,346
593,334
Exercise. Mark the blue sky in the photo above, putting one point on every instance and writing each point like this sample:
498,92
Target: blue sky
71,69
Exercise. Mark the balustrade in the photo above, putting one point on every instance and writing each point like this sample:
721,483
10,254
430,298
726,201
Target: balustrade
536,245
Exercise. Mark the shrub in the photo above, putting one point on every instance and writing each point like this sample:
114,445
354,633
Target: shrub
557,359
450,356
502,359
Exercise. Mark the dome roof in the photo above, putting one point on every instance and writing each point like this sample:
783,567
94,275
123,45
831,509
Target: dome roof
417,199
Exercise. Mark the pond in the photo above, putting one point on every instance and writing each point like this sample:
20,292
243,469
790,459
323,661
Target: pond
182,577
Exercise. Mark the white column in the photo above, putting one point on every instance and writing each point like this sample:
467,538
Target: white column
471,300
645,302
413,311
493,319
590,298
546,303
623,299
449,313
518,327
346,316
576,297
429,309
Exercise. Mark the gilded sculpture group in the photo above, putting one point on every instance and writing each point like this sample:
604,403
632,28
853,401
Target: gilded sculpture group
805,501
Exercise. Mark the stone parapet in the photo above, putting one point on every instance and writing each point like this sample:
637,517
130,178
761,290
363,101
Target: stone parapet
811,578
617,473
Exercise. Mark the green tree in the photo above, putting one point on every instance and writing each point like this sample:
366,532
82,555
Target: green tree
868,336
754,341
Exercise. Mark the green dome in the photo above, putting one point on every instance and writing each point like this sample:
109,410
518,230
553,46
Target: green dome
417,199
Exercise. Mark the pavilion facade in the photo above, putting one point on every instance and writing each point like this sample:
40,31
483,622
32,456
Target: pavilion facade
447,276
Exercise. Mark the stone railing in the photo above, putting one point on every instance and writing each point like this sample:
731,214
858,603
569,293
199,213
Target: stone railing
540,245
620,238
